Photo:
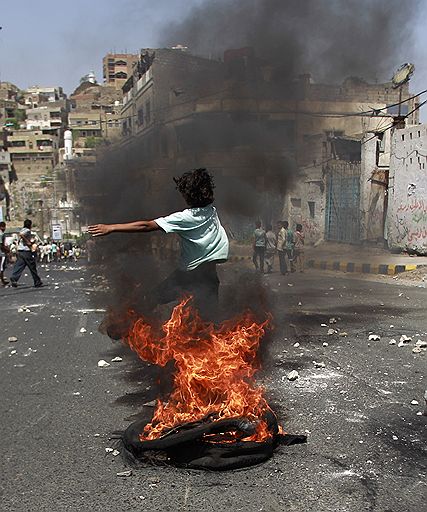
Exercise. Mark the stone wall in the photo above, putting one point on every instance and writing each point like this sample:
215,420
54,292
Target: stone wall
407,211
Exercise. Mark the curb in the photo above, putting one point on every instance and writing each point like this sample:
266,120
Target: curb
361,268
341,266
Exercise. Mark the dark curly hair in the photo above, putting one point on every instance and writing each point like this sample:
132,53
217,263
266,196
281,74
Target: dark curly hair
196,187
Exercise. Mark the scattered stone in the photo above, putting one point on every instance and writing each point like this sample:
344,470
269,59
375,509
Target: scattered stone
77,393
103,364
414,402
299,303
13,352
25,319
150,404
331,331
343,334
12,339
116,360
395,438
108,450
290,284
115,453
325,344
405,339
83,330
332,320
296,345
125,473
56,288
323,325
392,342
391,326
96,435
293,375
417,350
421,344
319,365
374,337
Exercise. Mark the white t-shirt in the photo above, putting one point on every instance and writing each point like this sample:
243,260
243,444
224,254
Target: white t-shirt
202,236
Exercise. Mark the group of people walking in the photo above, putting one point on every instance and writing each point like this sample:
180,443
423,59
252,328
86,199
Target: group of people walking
287,244
27,250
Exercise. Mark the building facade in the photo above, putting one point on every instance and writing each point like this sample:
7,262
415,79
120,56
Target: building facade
407,191
117,68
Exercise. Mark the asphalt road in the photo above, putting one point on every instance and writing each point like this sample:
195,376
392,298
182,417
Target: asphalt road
366,446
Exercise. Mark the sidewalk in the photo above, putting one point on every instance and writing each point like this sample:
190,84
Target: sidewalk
346,258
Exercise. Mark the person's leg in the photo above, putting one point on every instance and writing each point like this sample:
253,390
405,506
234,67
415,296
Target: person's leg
30,261
282,262
255,258
290,254
261,259
2,269
18,268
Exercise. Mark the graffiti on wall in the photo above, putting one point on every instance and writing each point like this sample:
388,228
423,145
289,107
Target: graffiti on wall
410,227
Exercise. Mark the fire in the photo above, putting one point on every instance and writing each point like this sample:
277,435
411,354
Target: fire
214,369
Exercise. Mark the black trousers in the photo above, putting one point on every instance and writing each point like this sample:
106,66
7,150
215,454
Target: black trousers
25,259
259,253
202,283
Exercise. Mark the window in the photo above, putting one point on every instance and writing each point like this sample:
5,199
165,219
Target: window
311,208
296,202
148,111
44,143
141,116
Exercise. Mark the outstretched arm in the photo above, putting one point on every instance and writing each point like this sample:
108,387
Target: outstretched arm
139,226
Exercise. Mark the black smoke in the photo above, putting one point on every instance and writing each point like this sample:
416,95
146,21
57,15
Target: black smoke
331,39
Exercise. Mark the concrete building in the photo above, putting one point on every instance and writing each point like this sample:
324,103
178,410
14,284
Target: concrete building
35,95
117,68
48,117
238,119
407,191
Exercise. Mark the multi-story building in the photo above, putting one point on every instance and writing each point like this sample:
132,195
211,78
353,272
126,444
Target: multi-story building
33,153
48,117
295,143
35,95
117,68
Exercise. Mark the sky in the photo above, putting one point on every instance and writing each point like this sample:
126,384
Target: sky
49,44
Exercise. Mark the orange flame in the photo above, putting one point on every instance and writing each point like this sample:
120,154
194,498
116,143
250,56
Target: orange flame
214,369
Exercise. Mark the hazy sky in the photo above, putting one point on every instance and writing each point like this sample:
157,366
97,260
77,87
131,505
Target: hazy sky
49,44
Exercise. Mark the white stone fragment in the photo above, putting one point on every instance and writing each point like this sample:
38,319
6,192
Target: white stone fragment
421,344
392,342
296,345
125,473
293,375
109,450
12,339
115,453
116,360
332,320
331,331
103,364
325,344
405,339
414,402
83,330
374,337
320,364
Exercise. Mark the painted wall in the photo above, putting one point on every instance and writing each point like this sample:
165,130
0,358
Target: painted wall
407,212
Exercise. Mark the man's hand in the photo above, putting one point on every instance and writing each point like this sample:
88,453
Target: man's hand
100,229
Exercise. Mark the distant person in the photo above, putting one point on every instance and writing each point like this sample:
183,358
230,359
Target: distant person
259,242
4,250
289,245
281,247
270,248
54,251
204,244
26,256
299,248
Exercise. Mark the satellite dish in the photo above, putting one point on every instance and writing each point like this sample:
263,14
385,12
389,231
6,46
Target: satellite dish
403,74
